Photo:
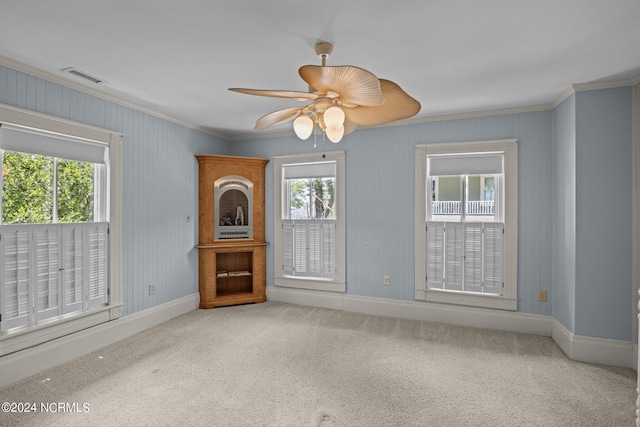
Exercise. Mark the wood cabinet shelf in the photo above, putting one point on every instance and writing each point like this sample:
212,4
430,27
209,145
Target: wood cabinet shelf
231,270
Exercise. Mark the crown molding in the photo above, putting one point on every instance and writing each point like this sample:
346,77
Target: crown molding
607,84
583,87
71,84
470,115
563,96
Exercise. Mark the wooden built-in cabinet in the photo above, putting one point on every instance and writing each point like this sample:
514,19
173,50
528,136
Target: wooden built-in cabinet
231,235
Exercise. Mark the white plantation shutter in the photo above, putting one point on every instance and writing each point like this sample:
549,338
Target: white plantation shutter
15,295
493,257
51,269
97,242
73,274
435,254
469,253
287,247
473,257
329,249
46,239
314,240
308,247
300,230
453,255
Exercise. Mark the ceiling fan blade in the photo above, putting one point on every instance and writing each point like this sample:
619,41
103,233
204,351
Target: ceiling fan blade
349,127
353,84
275,93
277,117
397,106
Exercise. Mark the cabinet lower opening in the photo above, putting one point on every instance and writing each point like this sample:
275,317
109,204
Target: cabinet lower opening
234,273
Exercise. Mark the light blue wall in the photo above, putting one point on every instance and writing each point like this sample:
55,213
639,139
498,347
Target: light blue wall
604,284
592,268
564,213
380,199
160,185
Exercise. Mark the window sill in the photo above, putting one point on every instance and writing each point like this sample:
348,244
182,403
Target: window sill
316,284
468,298
29,336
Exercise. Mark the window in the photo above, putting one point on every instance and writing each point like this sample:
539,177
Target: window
54,256
40,189
309,221
466,223
59,228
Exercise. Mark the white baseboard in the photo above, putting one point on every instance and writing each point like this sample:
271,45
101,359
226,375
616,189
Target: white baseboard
417,310
594,350
576,347
28,362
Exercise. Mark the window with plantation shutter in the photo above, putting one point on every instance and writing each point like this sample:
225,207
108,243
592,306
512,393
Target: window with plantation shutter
60,228
309,212
466,223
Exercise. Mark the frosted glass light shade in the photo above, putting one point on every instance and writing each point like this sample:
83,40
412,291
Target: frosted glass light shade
335,135
303,126
334,117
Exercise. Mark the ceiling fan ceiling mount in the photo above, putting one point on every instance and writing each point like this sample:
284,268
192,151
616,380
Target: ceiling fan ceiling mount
324,50
350,96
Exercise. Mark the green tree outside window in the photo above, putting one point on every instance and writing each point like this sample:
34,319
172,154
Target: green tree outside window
28,186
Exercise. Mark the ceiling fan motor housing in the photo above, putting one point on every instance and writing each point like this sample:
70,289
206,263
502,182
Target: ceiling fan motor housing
324,50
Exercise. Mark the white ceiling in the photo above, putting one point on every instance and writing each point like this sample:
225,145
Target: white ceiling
178,58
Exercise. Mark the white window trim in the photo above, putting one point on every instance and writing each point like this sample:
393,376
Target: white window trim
28,337
509,299
339,283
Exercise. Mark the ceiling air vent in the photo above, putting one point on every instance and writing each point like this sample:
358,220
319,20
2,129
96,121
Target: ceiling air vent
82,74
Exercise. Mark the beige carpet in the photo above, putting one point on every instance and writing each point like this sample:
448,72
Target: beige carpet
276,364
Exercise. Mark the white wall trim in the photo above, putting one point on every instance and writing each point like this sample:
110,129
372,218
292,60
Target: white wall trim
31,361
635,224
606,84
583,87
592,349
509,321
576,347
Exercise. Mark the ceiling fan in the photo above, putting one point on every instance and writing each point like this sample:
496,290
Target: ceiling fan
342,98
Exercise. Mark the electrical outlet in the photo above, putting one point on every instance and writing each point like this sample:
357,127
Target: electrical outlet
542,296
386,280
152,288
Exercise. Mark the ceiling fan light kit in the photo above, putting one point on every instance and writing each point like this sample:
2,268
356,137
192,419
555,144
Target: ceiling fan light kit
342,98
303,126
